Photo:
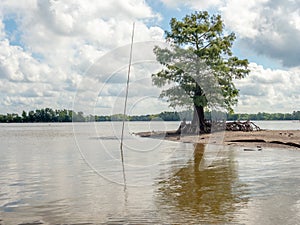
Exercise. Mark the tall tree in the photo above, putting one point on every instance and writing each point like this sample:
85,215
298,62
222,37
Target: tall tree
200,64
24,116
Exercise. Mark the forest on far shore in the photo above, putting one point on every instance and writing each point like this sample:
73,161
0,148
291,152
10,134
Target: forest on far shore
49,115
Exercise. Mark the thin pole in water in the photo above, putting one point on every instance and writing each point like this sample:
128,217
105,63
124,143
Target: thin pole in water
126,95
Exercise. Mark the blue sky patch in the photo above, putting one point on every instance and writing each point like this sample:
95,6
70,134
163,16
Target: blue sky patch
12,31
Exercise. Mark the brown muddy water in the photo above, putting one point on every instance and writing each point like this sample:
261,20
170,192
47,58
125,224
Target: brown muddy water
73,174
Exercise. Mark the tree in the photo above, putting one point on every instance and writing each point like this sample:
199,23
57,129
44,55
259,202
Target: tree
200,64
31,116
24,116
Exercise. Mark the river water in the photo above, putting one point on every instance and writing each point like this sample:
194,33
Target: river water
73,174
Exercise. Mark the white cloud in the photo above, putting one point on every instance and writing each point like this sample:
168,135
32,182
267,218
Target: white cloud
59,41
2,32
242,16
270,28
17,7
103,87
268,90
18,65
12,59
295,19
193,4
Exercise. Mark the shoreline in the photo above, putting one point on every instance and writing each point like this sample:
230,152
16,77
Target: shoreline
253,140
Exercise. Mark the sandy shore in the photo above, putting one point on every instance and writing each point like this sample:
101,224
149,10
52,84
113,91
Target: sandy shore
251,140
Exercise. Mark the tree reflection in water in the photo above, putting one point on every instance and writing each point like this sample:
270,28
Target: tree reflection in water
212,195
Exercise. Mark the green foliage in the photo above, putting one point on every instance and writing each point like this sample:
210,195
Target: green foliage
265,116
50,115
199,63
169,116
39,115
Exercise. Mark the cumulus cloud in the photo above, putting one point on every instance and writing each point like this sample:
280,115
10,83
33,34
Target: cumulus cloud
242,16
194,4
58,42
269,90
2,32
103,87
270,28
18,65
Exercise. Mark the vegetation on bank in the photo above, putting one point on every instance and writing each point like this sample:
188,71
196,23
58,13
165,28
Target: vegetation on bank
295,115
49,115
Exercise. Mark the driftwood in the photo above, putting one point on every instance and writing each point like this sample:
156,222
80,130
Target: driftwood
213,126
242,126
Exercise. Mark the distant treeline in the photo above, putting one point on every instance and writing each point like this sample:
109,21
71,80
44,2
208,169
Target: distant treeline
50,115
265,116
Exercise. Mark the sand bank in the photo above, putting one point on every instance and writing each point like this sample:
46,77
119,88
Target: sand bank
255,139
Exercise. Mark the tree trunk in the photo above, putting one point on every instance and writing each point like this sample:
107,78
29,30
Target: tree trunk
198,119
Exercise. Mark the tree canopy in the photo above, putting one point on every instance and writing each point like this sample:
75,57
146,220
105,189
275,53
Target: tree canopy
199,67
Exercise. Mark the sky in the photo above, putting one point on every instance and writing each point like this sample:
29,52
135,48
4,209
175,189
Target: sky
74,54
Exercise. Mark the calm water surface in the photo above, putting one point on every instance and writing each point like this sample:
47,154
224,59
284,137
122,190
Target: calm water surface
73,174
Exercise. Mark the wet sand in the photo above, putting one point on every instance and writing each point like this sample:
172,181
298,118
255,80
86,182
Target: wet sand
252,140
